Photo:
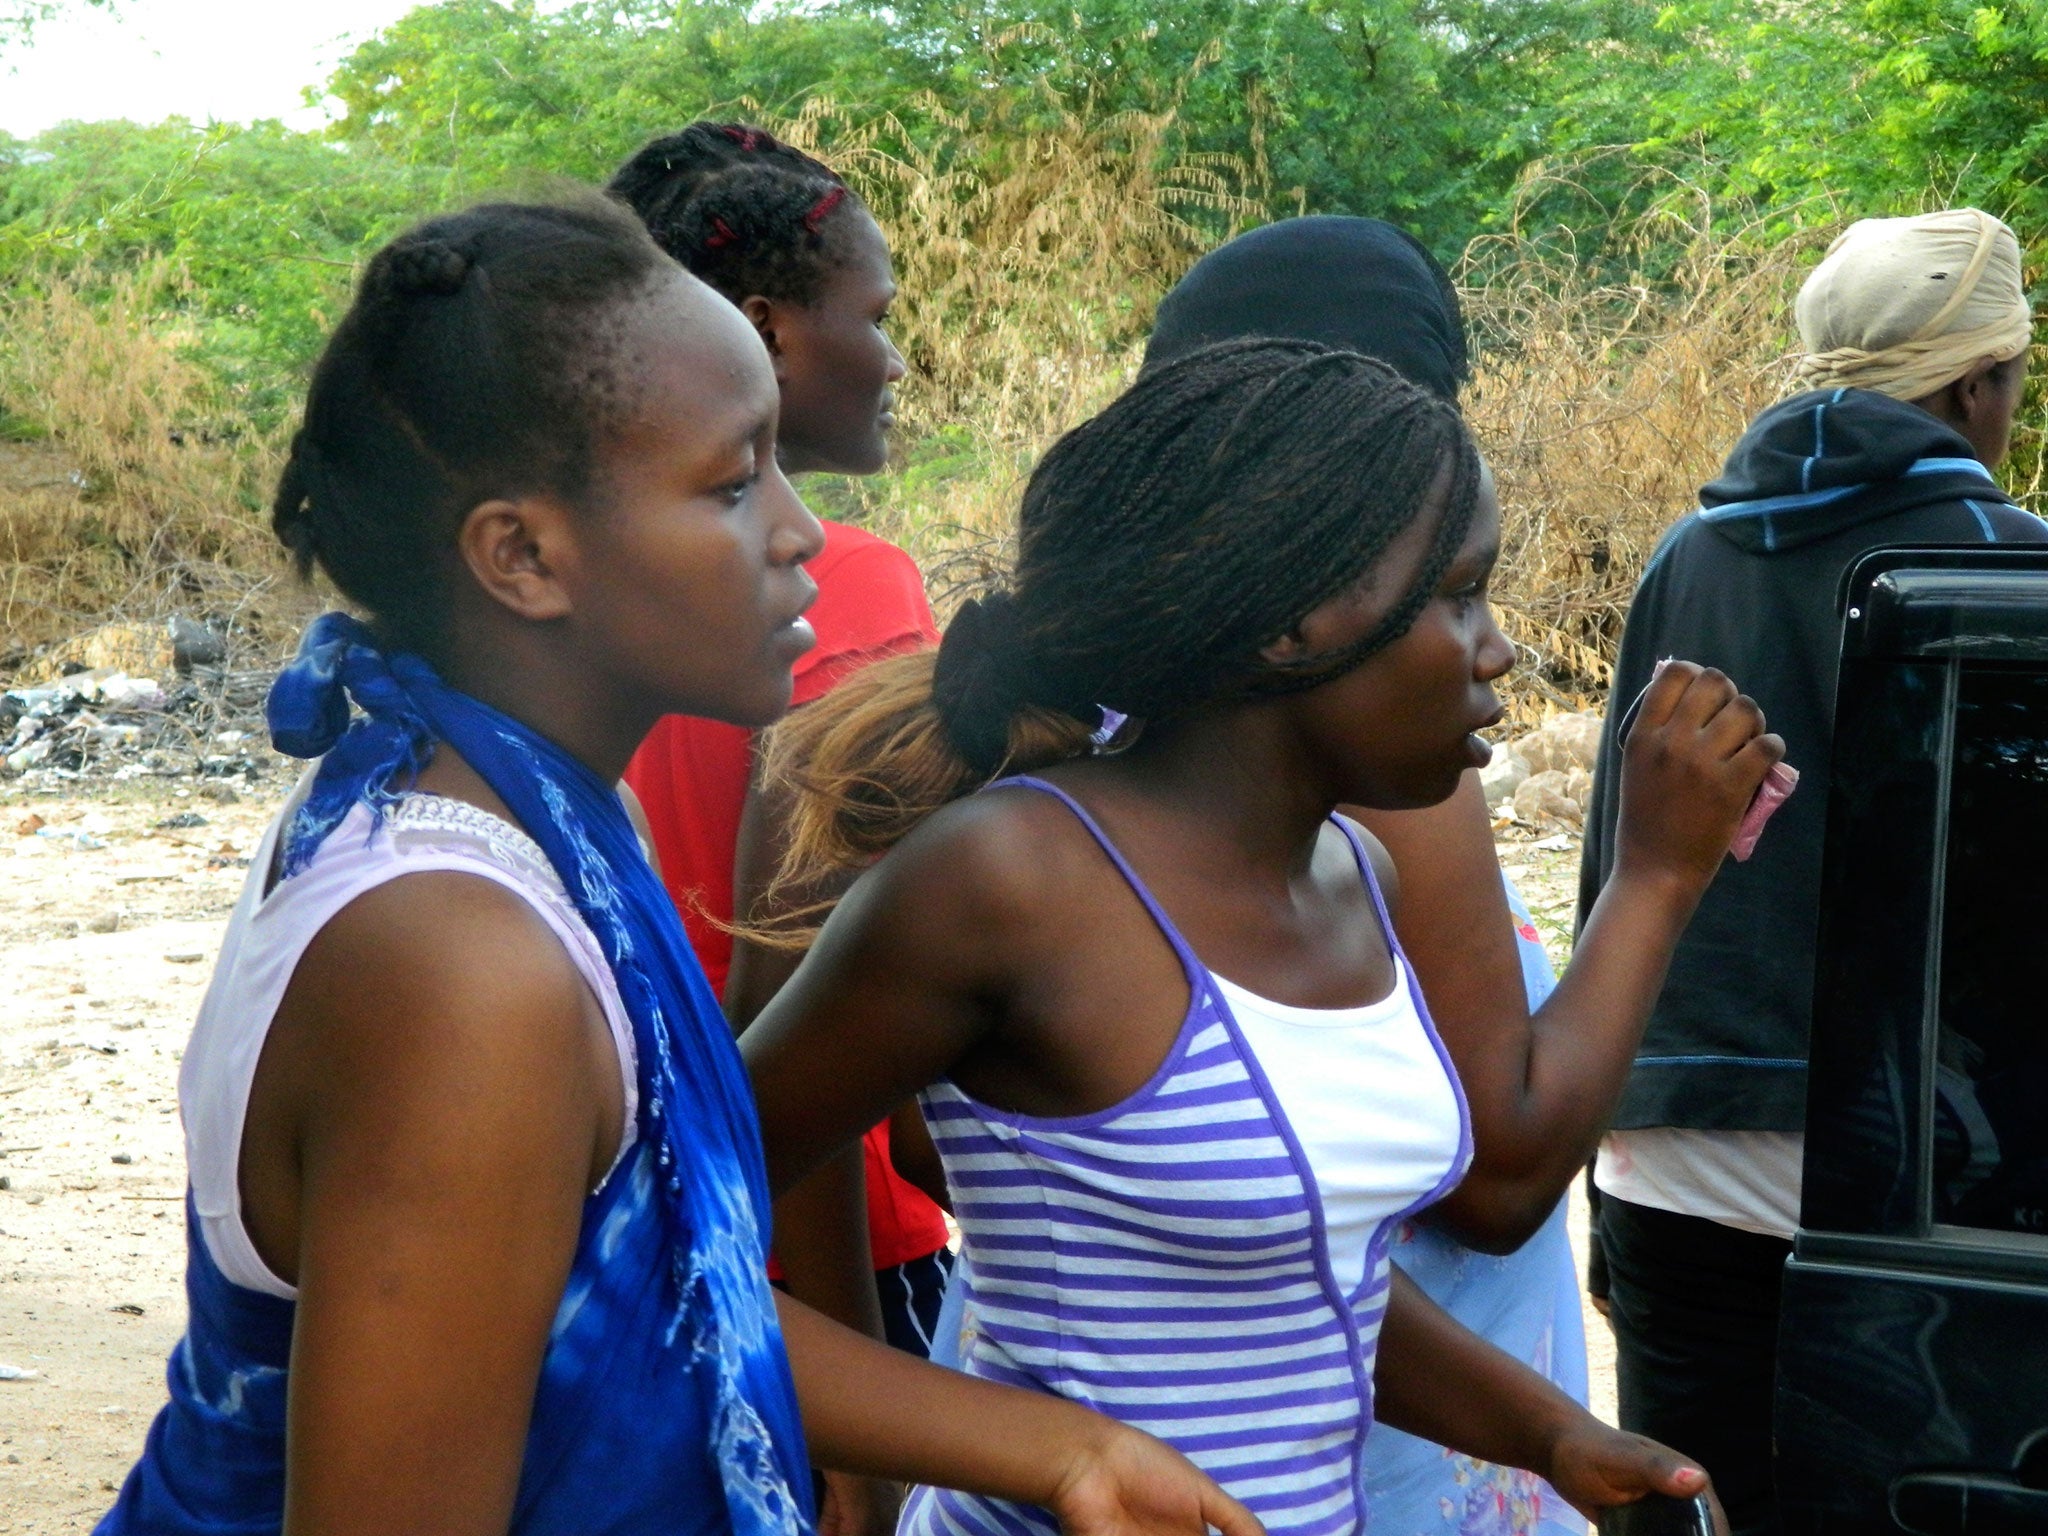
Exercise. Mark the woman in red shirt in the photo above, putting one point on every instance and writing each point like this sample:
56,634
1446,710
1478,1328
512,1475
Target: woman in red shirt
780,235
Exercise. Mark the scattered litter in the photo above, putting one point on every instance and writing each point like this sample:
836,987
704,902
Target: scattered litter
128,1308
1556,843
181,822
5,1182
124,1158
19,1373
78,839
199,715
221,794
29,825
185,956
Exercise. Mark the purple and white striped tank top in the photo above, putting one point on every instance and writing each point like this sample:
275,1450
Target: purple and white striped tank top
1164,1262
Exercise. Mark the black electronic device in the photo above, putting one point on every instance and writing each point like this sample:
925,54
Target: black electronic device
1659,1516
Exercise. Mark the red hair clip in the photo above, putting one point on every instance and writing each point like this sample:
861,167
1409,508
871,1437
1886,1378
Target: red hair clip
748,139
722,235
822,208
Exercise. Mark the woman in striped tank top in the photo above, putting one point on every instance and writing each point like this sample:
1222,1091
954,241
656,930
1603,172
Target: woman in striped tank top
1178,1070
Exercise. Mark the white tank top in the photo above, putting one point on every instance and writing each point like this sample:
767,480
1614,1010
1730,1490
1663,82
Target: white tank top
268,934
1370,1101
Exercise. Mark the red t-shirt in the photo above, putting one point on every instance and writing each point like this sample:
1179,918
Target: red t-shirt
692,775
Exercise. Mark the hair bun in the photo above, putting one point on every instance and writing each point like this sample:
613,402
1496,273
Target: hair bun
978,681
425,267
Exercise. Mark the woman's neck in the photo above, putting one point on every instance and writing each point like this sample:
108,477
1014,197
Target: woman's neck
1241,777
586,717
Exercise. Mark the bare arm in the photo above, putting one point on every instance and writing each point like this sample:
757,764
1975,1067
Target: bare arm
417,1159
907,977
821,1228
759,971
1438,1380
1542,1088
873,1409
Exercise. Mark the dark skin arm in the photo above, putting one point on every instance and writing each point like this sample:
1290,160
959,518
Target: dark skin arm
947,960
1592,1466
416,1161
821,1230
821,1226
423,1187
877,1410
1543,1087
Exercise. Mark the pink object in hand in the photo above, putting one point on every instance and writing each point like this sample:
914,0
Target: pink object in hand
1775,790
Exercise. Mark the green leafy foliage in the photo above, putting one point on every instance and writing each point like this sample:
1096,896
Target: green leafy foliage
1438,113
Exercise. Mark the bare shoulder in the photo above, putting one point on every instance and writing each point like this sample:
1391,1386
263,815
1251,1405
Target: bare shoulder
999,863
445,985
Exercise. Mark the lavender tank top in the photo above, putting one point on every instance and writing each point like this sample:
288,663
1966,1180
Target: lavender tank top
1164,1261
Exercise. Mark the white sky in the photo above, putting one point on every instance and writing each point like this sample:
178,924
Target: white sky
229,60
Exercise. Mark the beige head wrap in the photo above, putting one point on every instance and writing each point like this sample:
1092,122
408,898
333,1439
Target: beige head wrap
1904,306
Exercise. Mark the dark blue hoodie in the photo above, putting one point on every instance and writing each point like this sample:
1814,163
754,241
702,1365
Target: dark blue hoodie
1748,584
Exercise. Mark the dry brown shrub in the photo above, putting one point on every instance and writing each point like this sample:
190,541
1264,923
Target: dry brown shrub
1031,245
131,489
1605,397
1615,374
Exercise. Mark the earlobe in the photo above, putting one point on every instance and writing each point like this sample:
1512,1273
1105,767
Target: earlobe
760,313
1286,650
516,550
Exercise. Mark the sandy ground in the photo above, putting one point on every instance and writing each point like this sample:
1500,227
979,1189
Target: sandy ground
109,922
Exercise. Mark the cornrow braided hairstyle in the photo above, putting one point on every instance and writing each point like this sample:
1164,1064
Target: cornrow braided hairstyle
746,212
1162,545
482,357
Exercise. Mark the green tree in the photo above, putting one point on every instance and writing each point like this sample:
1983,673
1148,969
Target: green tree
497,92
1423,111
1874,106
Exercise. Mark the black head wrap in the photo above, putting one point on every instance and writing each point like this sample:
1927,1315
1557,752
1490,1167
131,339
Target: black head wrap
1360,285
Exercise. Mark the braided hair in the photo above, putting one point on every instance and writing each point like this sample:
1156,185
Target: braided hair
744,211
1162,546
480,358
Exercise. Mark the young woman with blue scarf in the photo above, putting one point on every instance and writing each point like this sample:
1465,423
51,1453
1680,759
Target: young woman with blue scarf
477,1212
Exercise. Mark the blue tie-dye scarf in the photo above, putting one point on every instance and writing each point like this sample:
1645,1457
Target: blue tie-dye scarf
696,1108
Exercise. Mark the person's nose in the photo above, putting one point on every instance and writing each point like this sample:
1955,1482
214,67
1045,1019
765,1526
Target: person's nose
897,367
1495,656
794,534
